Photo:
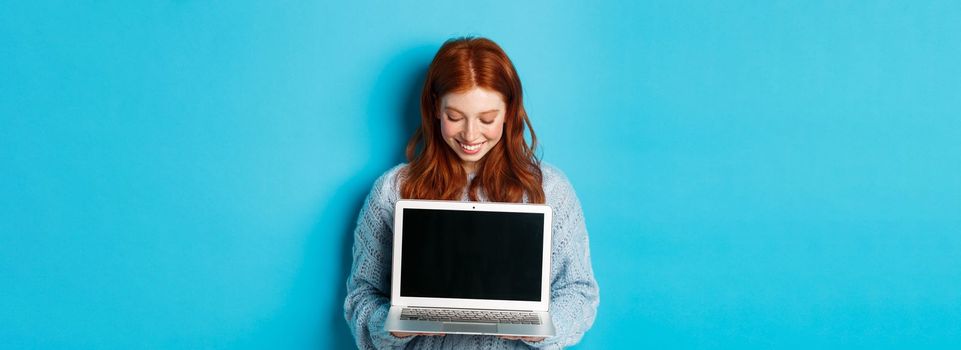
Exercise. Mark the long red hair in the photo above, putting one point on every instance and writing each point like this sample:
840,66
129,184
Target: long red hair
510,170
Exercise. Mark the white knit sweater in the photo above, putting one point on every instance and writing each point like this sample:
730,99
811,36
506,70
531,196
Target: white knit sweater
574,292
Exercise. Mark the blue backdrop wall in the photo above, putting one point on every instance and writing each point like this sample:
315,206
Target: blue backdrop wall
186,174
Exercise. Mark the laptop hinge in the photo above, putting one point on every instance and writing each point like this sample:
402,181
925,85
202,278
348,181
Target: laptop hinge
462,308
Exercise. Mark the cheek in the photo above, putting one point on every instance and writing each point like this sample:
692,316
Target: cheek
448,130
495,131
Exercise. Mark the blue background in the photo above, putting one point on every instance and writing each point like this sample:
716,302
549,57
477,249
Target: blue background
186,174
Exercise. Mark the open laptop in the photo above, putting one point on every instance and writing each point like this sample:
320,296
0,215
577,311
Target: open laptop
471,268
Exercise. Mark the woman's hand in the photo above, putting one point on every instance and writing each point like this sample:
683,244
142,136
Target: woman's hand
527,339
406,334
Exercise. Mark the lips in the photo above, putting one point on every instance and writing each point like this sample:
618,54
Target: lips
470,148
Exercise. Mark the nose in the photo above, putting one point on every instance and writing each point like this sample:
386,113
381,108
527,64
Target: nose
471,130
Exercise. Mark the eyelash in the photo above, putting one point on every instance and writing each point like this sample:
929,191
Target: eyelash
459,119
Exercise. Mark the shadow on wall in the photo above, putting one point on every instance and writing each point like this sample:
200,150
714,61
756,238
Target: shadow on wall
393,113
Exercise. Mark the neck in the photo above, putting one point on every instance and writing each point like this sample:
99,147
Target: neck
469,167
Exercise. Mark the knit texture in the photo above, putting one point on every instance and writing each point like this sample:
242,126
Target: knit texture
574,291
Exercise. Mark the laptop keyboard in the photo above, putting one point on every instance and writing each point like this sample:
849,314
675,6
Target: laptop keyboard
478,316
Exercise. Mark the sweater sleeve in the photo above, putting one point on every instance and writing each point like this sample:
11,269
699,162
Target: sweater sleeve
574,291
368,285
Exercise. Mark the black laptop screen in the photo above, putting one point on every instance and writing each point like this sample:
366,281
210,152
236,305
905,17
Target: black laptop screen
472,254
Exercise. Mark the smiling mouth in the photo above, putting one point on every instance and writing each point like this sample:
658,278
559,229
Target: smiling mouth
470,148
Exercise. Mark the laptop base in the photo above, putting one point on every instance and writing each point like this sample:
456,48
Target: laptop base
395,324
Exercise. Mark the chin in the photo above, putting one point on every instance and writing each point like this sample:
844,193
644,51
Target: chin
472,158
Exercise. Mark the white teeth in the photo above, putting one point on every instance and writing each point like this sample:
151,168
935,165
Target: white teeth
470,148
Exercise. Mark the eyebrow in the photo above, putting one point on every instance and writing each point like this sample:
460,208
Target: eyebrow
462,113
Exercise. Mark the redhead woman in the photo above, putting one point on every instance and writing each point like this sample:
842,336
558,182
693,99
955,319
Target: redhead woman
470,146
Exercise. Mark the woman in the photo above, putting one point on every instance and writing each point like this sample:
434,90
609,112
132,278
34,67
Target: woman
471,146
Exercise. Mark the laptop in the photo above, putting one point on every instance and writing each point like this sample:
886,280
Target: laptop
471,268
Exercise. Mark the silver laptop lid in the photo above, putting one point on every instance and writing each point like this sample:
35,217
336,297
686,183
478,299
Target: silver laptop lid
471,255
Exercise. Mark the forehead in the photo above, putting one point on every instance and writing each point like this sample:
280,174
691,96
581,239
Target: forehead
474,100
